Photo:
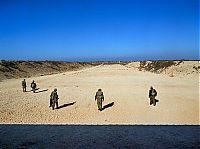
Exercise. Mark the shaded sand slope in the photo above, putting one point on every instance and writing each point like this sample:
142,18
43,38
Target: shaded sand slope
19,69
125,89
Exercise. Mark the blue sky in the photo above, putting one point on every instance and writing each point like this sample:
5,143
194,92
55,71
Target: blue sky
99,29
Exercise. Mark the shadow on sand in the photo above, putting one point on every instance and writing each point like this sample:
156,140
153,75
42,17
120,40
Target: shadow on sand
108,106
152,102
29,91
42,91
32,90
66,105
156,100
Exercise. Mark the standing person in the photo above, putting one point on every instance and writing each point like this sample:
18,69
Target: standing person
33,86
100,98
152,95
54,99
24,85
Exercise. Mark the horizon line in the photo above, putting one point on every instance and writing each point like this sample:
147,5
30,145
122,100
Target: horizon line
60,60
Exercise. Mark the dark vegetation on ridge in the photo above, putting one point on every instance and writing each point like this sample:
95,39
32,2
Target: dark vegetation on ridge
26,69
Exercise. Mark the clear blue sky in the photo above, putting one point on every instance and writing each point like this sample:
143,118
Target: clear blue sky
99,29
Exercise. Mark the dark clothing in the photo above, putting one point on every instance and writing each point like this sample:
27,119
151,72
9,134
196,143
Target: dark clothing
33,86
152,95
54,100
152,92
100,98
24,85
152,100
99,104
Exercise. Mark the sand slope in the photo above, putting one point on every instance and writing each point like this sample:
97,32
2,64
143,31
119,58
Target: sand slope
20,69
125,87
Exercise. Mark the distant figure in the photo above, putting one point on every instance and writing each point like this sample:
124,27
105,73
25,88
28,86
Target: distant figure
24,85
33,86
54,99
152,95
100,98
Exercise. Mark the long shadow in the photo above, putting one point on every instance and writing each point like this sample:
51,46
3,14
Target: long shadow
29,91
66,105
32,90
108,106
42,91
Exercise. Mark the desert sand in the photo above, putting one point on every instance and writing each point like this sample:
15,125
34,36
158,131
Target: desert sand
126,98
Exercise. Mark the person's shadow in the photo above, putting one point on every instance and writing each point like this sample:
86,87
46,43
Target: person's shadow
42,91
156,100
66,105
108,106
32,90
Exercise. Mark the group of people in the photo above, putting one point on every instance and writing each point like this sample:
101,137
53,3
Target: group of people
99,97
54,99
53,96
33,86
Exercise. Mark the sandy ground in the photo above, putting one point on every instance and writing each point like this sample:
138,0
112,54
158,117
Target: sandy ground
126,97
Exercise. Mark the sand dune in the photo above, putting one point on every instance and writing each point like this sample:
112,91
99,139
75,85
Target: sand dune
20,69
126,96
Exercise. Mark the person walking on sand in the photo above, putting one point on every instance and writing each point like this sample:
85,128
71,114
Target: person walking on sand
100,98
24,85
54,99
33,86
152,95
